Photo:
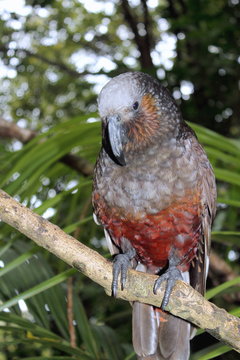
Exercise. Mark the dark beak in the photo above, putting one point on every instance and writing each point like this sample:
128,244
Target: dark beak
115,138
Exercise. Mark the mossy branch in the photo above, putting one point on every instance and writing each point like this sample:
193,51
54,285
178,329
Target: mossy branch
184,302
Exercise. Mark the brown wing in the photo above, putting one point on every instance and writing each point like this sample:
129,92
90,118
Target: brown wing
199,268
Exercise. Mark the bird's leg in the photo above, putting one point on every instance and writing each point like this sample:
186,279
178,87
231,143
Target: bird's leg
121,264
171,275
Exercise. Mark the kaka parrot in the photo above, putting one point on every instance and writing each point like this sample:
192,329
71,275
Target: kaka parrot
154,194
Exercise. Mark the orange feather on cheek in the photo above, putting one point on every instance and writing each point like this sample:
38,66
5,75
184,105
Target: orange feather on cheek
146,123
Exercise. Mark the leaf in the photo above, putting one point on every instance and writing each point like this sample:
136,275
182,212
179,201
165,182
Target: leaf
211,352
221,288
85,328
228,176
49,358
18,261
70,228
27,325
231,202
38,288
131,356
107,336
39,335
63,346
209,137
226,237
59,197
221,155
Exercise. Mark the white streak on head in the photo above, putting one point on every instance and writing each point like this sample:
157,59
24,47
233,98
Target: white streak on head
119,93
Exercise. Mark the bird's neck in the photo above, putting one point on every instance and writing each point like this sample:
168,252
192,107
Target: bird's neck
161,150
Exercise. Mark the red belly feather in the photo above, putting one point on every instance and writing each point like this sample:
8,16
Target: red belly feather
154,235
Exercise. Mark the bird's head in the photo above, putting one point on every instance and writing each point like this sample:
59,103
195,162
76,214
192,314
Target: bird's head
136,112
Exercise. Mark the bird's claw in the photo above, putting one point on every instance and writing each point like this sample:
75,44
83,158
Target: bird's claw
121,264
171,276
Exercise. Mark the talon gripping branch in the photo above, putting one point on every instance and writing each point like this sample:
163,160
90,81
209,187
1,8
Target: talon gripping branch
154,193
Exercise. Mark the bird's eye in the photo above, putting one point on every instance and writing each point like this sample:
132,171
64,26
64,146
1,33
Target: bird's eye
135,105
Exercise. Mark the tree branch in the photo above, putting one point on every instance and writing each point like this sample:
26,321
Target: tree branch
172,9
147,24
10,130
78,163
61,66
184,302
142,42
70,312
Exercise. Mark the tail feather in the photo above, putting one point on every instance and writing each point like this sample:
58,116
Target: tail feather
158,335
145,330
175,335
145,325
174,339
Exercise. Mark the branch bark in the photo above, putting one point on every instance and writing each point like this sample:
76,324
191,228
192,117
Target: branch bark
10,130
184,302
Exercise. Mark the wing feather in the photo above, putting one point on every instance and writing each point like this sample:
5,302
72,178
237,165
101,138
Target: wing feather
199,269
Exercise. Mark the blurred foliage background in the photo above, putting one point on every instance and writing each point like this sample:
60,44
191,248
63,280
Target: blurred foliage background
54,58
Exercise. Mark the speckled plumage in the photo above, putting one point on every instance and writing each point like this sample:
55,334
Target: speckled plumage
162,201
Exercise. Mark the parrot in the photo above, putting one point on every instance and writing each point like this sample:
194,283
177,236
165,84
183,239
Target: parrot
154,193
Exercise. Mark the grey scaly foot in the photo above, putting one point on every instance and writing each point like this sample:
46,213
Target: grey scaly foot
171,275
121,264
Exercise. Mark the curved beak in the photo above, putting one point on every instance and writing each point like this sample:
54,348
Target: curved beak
115,137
